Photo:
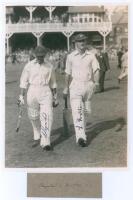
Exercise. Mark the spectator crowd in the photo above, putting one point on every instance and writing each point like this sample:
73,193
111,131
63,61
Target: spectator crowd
56,57
22,55
63,18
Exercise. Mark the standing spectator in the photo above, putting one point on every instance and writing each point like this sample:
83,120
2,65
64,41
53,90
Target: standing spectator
39,78
54,59
124,64
83,68
64,18
119,55
14,58
103,60
31,54
62,61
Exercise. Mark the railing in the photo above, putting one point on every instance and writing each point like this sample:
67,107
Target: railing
57,27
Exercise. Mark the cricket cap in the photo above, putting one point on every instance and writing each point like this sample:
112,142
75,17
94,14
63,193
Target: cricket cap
79,37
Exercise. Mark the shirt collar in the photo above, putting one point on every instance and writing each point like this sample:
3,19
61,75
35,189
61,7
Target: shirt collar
83,55
36,62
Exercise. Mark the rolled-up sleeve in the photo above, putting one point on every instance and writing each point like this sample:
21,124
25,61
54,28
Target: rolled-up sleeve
95,64
68,69
53,83
24,79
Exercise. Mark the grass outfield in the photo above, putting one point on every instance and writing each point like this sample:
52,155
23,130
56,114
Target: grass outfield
108,147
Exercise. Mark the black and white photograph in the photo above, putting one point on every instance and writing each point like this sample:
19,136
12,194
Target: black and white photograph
66,86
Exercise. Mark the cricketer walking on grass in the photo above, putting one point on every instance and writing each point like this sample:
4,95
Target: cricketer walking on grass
38,78
83,68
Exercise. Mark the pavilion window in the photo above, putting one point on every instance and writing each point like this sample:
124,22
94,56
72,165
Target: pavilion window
86,20
80,20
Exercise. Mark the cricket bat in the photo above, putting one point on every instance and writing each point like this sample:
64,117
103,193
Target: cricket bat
66,119
19,118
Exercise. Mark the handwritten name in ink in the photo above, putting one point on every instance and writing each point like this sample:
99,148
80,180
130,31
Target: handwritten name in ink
79,118
80,114
44,125
59,185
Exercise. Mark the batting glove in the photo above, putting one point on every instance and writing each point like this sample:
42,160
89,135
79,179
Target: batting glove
20,100
55,100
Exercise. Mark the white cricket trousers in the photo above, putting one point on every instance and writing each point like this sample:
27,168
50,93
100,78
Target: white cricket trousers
80,98
40,112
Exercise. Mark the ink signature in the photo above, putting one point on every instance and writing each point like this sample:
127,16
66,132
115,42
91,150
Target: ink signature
62,185
44,124
79,118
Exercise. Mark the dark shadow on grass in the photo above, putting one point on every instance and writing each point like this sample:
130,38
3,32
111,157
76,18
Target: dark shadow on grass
111,88
93,131
63,135
96,129
11,81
